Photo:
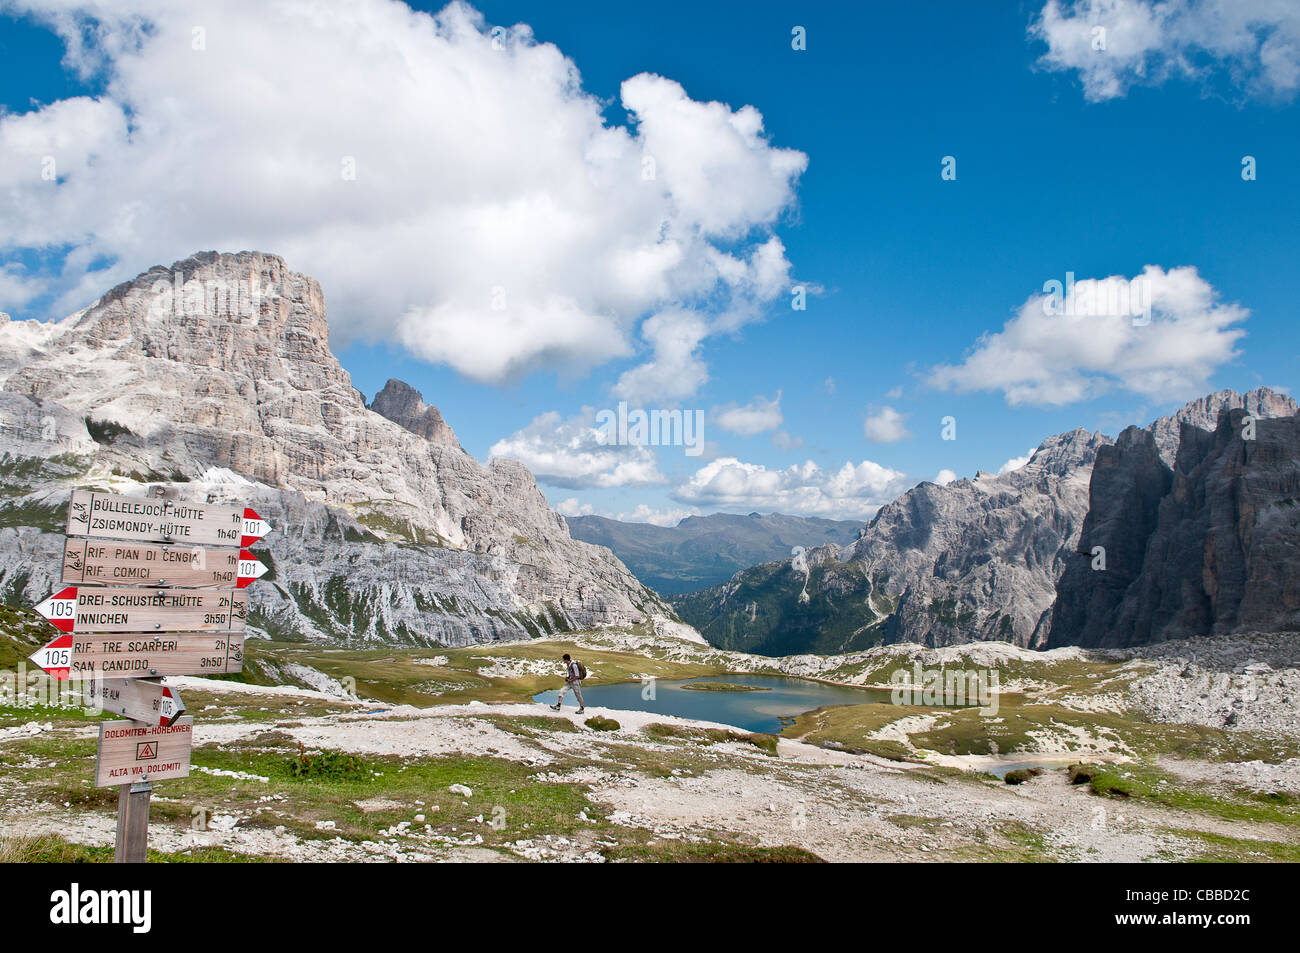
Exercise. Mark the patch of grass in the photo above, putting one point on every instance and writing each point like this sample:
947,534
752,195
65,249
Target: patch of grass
531,726
849,728
49,849
51,517
1148,784
501,787
1219,848
62,714
724,687
710,852
1005,842
600,723
708,736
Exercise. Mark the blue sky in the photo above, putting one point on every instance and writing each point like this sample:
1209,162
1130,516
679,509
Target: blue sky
1062,167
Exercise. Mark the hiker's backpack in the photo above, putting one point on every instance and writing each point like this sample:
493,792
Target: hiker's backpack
582,671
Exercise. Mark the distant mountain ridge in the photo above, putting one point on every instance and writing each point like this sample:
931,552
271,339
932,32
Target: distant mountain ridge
702,551
977,559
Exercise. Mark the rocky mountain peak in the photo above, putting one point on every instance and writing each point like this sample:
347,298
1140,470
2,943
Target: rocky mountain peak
404,405
216,374
1065,452
1203,413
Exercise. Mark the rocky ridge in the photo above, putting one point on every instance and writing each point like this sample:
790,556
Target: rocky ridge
215,375
1006,557
974,560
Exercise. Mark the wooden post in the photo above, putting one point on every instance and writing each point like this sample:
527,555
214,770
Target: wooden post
133,823
153,743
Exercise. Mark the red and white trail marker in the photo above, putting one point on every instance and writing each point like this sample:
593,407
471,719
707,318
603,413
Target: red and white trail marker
60,609
251,569
254,527
55,658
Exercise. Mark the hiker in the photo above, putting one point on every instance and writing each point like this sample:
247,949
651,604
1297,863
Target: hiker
574,673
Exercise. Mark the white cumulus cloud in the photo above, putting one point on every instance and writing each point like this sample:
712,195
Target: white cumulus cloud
452,184
1015,463
668,516
1116,44
757,416
886,426
784,440
1061,349
851,492
571,507
944,477
573,453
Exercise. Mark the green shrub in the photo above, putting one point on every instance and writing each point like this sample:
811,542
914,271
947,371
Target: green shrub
327,766
597,723
1082,773
1021,775
765,743
106,431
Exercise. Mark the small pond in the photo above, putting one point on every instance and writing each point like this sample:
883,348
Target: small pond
771,702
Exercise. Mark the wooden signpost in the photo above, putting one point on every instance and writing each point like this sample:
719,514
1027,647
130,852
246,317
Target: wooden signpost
140,699
109,516
141,656
115,563
112,609
152,587
130,752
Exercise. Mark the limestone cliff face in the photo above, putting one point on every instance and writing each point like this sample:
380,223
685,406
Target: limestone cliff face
216,374
1208,548
1129,480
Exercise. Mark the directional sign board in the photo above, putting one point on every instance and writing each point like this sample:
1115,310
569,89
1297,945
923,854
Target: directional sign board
115,563
109,516
112,609
140,656
130,753
140,699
